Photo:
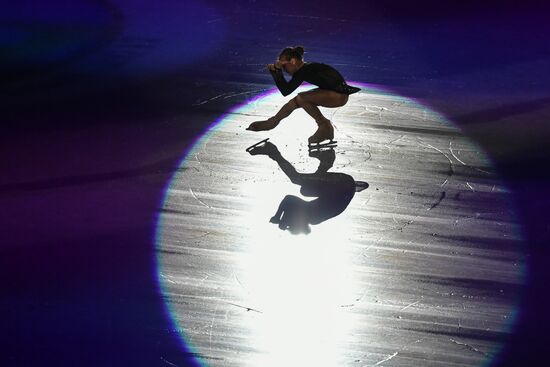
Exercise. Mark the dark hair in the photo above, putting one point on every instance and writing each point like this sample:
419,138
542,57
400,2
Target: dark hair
296,52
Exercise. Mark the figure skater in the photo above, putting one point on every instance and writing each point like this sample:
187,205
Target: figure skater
333,92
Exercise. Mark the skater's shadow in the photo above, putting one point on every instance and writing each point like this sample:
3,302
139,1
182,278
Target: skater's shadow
333,191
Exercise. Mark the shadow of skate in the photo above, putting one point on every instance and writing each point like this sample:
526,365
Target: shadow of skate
333,191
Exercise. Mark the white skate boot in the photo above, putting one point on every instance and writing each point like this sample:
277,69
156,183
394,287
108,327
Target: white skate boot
324,132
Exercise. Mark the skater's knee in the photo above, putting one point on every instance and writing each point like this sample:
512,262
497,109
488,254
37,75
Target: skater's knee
301,99
295,102
344,100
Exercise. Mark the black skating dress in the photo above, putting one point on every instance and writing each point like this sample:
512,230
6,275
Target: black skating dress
322,75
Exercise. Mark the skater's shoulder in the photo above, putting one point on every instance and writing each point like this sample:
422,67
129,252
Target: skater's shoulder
311,66
318,66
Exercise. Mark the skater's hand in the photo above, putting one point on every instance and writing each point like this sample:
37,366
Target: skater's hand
274,67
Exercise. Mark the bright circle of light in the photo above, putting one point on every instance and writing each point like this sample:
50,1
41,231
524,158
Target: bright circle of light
270,322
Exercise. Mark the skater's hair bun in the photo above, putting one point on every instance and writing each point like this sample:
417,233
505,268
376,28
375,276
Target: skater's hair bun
299,50
292,53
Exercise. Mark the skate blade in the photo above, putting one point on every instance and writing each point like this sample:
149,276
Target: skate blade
257,144
321,146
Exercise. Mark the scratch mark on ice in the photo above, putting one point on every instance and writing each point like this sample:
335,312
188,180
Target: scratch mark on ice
454,155
386,359
167,278
245,307
412,304
451,169
199,200
212,328
469,347
168,362
227,95
465,164
397,139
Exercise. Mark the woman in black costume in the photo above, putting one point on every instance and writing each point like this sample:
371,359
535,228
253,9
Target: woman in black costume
332,91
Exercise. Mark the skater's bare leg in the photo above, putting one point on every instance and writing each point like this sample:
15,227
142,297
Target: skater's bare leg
271,122
321,97
286,110
308,101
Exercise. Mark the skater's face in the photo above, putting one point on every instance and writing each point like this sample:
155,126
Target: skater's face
290,65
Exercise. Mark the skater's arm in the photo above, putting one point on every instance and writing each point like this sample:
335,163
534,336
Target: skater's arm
285,87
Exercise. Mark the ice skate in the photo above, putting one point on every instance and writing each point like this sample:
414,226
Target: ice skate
323,137
263,125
